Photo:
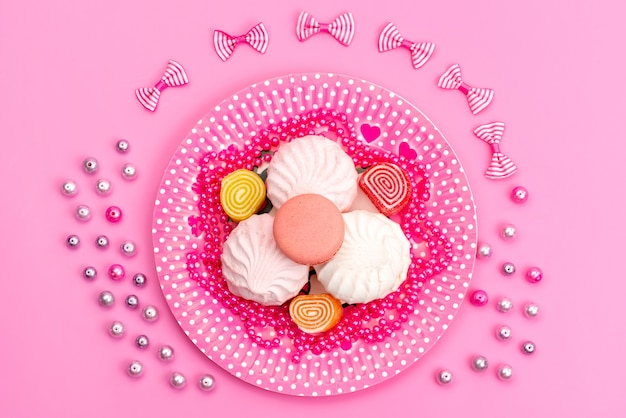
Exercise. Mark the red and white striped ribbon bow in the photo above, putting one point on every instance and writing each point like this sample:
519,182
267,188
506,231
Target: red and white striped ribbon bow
477,98
501,166
390,38
225,44
342,28
174,76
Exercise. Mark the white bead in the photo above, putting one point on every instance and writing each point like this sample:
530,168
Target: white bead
508,231
90,165
83,213
150,313
444,377
90,273
504,304
166,353
504,332
128,248
103,186
480,363
117,329
129,172
135,369
139,279
177,380
69,188
102,241
528,347
122,146
132,301
73,241
531,310
142,342
505,372
106,298
207,382
484,250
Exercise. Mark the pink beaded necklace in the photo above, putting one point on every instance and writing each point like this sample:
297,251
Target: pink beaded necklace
267,326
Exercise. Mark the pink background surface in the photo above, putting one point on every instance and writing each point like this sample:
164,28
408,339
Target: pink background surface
67,81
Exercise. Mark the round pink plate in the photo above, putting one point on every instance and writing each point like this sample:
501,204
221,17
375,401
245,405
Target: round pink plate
382,119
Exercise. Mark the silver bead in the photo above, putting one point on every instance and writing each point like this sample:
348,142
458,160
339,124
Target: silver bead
531,310
508,268
444,377
504,304
480,363
135,369
83,213
90,165
528,347
128,248
132,301
73,241
177,380
129,172
90,273
139,279
505,372
103,186
484,250
207,382
122,146
106,298
102,241
166,353
504,332
69,188
116,329
142,342
508,231
150,313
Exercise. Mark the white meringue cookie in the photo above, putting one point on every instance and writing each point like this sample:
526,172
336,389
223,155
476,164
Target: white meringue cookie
372,262
255,268
312,164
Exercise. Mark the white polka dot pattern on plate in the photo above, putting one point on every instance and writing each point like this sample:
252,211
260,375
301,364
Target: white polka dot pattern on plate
404,130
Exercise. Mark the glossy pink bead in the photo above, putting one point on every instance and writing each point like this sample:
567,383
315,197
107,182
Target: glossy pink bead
534,274
116,272
113,214
479,298
519,194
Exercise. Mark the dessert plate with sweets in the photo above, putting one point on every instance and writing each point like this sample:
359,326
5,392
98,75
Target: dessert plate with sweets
314,234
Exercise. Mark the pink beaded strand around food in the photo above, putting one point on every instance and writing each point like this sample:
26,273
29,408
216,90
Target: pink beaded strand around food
267,326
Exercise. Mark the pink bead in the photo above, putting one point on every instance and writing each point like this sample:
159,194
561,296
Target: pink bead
479,298
534,274
519,194
113,214
117,272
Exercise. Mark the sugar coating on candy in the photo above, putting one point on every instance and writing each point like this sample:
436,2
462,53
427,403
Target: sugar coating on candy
255,268
372,262
242,194
314,314
387,186
312,164
309,229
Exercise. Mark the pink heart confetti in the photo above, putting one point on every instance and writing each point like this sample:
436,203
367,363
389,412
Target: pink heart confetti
370,132
407,152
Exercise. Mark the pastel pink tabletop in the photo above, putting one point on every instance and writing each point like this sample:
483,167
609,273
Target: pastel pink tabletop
68,80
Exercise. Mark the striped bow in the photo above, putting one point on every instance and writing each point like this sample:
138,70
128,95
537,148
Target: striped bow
225,44
390,39
174,76
342,28
477,98
501,166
